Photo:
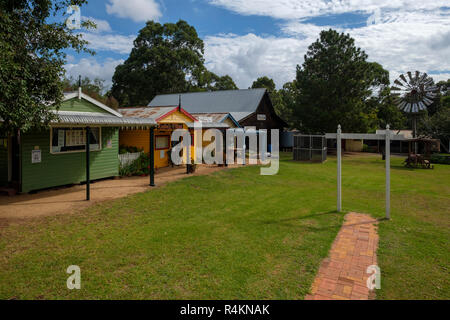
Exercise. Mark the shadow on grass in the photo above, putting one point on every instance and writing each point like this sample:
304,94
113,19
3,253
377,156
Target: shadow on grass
306,227
402,168
313,215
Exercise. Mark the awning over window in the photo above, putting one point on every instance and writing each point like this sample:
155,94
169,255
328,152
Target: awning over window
94,118
97,118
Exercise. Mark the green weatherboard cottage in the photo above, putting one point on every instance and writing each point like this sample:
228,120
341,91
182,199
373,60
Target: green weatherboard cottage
56,156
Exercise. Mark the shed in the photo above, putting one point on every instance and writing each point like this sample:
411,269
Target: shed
55,156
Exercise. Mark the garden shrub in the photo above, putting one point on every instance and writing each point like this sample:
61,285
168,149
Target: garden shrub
138,167
440,158
129,149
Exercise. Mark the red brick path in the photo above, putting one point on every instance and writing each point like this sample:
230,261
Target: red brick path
342,276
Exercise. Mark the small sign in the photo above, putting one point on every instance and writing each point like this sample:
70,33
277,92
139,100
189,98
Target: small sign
109,143
36,156
261,117
170,126
162,154
205,119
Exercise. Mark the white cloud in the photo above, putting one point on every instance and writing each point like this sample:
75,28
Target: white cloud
245,58
298,9
91,68
441,76
400,34
110,42
136,10
399,40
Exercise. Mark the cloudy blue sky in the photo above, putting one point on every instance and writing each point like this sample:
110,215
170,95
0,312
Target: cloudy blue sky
251,38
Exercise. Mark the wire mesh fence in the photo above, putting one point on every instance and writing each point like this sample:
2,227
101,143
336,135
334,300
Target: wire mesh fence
310,148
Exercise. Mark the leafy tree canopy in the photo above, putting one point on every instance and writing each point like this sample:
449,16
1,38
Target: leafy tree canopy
287,99
209,81
436,122
264,82
278,97
165,58
32,59
93,88
334,83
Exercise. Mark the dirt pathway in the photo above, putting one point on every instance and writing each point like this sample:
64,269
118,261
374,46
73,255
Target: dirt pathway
343,275
71,199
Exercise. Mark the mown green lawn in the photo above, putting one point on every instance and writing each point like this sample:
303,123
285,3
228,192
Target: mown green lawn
236,235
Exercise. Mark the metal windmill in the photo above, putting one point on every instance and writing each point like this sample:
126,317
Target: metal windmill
414,94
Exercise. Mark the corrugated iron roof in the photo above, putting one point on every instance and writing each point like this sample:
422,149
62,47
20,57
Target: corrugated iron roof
96,118
146,112
209,125
226,101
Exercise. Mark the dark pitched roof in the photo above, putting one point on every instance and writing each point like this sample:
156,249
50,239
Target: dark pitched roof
226,101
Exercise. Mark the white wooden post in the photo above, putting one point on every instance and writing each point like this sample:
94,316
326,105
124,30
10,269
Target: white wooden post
339,160
388,172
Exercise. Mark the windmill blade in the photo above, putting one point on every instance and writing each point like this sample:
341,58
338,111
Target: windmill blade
428,81
422,106
427,101
402,85
408,107
410,77
405,81
415,79
423,77
431,95
395,88
414,107
397,101
402,105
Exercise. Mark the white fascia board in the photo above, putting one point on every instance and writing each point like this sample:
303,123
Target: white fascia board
93,101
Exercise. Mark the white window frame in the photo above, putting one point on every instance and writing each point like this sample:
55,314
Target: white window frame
162,136
75,151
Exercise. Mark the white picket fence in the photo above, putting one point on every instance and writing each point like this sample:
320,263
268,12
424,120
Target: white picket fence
128,158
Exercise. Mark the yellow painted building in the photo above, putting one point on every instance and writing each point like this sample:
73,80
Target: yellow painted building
168,119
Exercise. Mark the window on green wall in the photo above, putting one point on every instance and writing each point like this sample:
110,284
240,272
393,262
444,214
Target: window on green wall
64,140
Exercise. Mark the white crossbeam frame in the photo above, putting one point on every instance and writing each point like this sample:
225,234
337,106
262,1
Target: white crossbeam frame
387,137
